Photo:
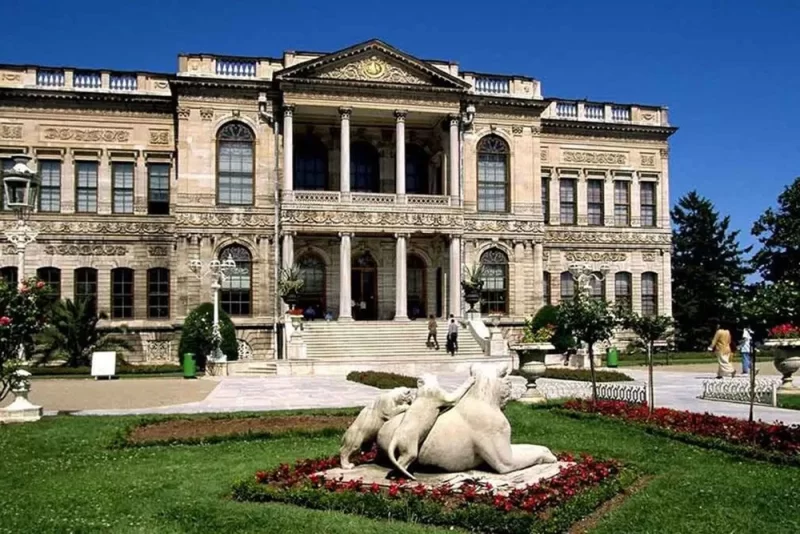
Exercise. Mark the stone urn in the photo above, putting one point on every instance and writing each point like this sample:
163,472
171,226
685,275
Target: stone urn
786,360
290,298
297,321
532,364
472,293
21,410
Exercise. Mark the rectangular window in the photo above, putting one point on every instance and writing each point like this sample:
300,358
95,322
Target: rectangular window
122,183
158,293
52,277
50,190
622,203
568,213
158,189
10,276
546,197
122,293
594,202
649,294
623,290
648,203
86,187
86,287
547,295
6,164
567,286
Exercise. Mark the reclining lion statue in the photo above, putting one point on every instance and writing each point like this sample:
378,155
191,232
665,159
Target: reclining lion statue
475,432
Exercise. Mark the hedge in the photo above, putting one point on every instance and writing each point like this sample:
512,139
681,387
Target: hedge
581,375
121,370
380,380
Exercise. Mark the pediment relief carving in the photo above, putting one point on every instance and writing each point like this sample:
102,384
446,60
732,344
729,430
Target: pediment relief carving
372,68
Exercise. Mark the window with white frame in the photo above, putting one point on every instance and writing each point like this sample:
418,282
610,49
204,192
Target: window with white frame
594,201
50,188
86,186
647,191
568,213
622,203
122,184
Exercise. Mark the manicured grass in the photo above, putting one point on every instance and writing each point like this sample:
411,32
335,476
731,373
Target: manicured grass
791,402
59,475
672,358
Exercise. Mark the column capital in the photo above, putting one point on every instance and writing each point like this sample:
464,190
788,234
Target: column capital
523,242
346,234
345,113
454,119
400,115
405,235
288,110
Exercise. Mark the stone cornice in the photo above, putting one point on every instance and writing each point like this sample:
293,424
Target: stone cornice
550,126
555,236
85,96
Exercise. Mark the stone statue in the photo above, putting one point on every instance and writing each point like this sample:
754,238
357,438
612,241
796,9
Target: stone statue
366,426
475,431
417,421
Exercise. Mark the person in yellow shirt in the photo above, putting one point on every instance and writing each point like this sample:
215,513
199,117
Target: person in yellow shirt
721,346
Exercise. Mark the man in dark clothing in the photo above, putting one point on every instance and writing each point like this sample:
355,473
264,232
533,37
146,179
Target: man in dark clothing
432,333
452,336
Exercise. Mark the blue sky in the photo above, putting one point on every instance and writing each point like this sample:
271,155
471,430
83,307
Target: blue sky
727,70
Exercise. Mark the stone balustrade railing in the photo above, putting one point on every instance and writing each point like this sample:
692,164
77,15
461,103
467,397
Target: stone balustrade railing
493,86
235,68
67,79
602,112
365,199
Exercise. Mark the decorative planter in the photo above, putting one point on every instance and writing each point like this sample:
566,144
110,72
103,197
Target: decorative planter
290,298
297,321
787,358
531,362
472,293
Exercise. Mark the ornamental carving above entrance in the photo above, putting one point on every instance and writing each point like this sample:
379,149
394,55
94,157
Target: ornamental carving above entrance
373,68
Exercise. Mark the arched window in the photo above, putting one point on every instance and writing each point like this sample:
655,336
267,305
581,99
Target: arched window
235,175
597,286
623,290
547,290
310,164
494,298
86,287
158,293
493,157
52,277
9,275
415,267
365,173
417,177
567,286
649,294
122,293
312,272
235,295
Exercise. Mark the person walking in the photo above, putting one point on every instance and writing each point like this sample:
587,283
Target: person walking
432,333
452,336
721,346
746,350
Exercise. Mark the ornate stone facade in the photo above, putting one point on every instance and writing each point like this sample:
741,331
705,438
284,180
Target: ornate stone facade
443,168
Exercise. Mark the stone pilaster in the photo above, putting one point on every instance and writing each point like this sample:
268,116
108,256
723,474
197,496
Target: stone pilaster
344,162
538,275
287,253
288,149
400,155
453,160
581,199
401,278
454,291
636,202
345,290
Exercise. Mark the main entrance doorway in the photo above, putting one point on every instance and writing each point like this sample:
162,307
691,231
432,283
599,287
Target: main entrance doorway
364,276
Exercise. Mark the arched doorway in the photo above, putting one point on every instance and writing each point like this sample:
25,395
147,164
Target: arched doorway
417,305
312,294
364,277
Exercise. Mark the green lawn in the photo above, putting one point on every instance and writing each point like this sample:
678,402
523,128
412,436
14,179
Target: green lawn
789,401
59,476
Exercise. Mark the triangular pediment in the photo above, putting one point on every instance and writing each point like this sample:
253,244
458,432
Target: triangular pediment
371,62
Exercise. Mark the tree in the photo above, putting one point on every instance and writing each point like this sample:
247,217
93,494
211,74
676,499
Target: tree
649,329
197,335
778,231
708,271
548,316
73,335
590,321
23,313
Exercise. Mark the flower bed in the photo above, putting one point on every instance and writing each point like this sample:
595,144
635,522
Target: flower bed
551,505
772,442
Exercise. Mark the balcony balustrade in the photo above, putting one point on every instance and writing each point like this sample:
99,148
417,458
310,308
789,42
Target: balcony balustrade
493,86
236,68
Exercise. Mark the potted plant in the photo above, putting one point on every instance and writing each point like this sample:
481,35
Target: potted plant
472,284
532,351
290,284
785,341
296,316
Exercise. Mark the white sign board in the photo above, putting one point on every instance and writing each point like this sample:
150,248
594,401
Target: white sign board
104,364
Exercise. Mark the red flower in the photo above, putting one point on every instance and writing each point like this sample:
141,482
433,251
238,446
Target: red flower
39,284
394,489
5,321
374,488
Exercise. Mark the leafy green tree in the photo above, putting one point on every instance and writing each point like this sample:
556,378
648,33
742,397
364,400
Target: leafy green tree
548,316
23,313
72,335
590,321
708,271
649,329
778,231
197,335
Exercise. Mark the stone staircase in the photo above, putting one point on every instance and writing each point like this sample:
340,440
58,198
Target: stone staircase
259,368
382,340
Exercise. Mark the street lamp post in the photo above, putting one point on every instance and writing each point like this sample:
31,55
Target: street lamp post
217,271
20,192
584,276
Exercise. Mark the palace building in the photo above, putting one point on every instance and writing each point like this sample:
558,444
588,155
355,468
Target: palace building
381,175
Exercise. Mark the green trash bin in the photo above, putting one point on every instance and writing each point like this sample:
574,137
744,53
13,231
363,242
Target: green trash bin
189,366
612,358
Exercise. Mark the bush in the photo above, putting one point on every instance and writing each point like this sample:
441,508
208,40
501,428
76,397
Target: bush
122,369
547,316
581,375
196,335
381,380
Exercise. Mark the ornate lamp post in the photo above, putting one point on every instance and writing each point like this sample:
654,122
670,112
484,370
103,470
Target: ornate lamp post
21,192
584,276
217,271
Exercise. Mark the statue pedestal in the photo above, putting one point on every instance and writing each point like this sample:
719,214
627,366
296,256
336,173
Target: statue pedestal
21,411
504,484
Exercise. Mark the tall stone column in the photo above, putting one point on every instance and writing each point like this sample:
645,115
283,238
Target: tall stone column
453,159
538,275
288,149
454,291
400,155
665,280
287,254
344,155
401,278
345,291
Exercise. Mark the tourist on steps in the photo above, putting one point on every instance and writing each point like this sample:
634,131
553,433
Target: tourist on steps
452,336
432,333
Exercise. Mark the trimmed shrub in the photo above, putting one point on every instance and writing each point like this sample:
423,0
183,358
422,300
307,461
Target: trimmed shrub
381,380
122,369
548,316
581,375
196,335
